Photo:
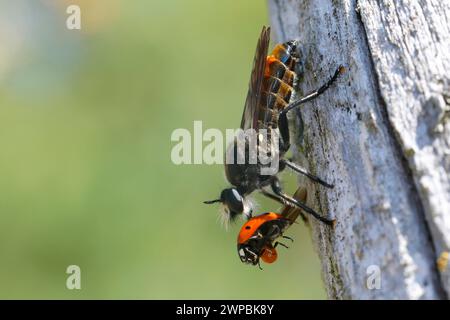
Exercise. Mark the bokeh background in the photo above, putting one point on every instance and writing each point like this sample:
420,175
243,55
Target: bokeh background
85,171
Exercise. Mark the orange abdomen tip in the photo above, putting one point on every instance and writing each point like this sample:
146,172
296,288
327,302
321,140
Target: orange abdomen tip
269,255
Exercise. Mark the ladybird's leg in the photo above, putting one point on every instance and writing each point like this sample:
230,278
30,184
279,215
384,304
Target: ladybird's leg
303,171
259,266
276,187
289,238
314,94
250,252
281,244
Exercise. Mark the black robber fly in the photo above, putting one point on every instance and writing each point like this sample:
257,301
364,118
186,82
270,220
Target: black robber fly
268,102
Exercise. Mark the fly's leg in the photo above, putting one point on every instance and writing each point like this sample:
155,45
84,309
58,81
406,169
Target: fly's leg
314,94
282,201
283,126
284,147
276,187
273,197
303,171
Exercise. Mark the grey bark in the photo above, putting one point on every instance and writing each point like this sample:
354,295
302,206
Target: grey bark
382,135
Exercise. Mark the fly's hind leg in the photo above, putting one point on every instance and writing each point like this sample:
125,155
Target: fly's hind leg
314,94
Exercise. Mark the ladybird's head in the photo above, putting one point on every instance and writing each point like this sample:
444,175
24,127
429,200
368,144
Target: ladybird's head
248,254
234,205
251,254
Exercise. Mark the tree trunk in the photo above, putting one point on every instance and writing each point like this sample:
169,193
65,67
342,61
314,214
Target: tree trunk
381,134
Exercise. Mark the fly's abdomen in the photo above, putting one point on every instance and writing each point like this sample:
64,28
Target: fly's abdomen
279,78
286,53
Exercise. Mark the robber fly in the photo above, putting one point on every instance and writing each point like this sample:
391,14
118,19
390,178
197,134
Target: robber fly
267,104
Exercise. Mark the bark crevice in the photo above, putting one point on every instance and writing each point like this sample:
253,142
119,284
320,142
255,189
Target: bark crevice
400,153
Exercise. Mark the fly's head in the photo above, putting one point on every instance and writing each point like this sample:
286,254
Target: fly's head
233,205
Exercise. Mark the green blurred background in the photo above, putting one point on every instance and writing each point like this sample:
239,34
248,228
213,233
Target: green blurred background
85,171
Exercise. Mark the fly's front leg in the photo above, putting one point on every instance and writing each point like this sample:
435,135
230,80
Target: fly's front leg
276,187
282,201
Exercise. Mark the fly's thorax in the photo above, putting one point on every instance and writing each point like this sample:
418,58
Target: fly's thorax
241,170
252,154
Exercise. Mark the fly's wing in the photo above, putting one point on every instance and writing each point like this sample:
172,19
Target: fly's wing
253,109
291,213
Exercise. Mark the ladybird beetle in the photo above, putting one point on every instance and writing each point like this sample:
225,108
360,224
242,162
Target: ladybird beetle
257,236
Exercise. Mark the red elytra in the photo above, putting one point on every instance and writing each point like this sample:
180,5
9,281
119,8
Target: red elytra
249,228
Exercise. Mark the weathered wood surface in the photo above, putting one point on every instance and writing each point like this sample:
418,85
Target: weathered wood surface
382,135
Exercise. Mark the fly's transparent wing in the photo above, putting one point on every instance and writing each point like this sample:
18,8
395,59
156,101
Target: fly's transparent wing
253,109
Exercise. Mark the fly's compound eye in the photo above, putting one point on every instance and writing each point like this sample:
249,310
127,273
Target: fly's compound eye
269,255
233,200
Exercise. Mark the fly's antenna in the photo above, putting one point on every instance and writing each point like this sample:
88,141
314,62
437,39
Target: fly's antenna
212,201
